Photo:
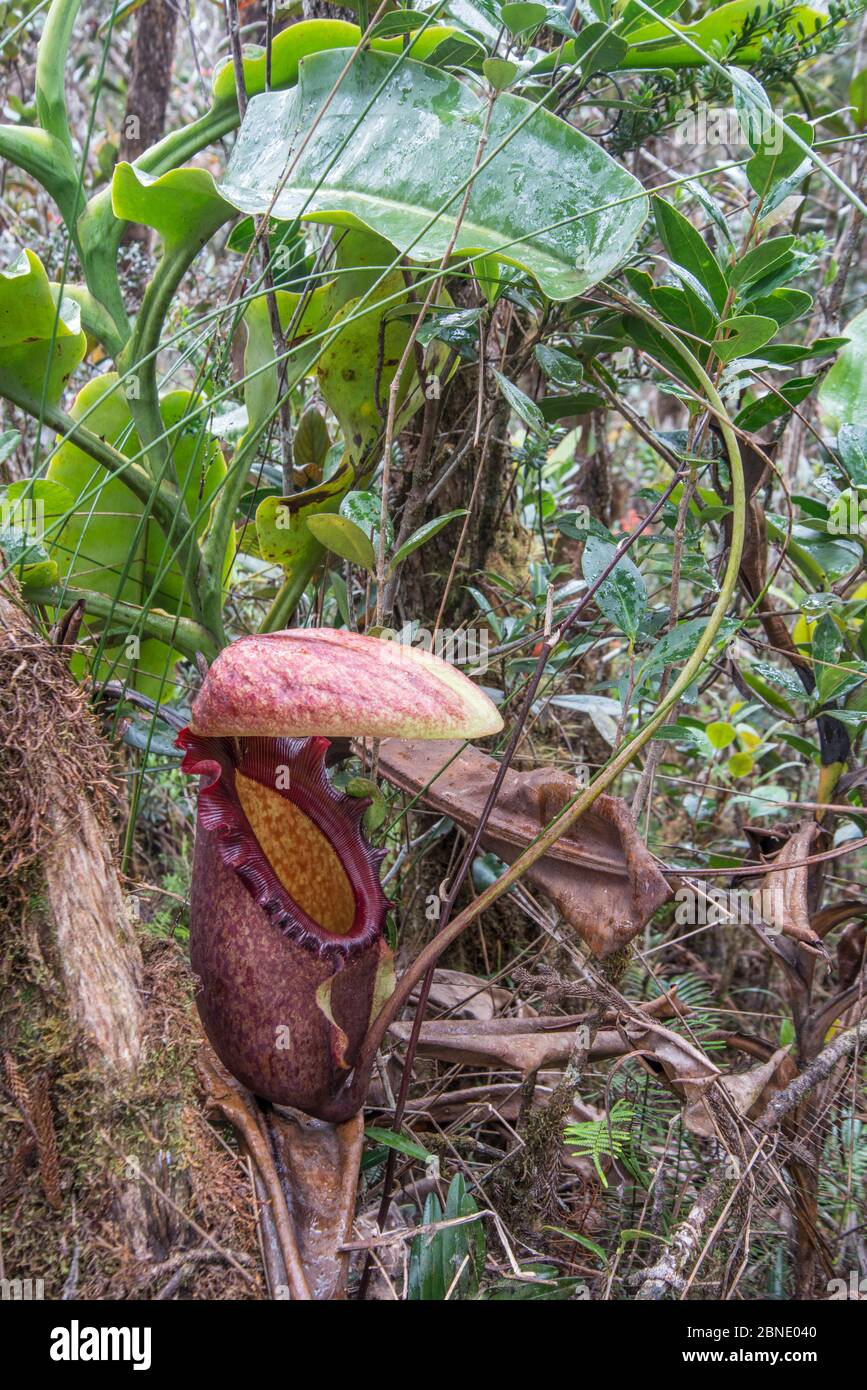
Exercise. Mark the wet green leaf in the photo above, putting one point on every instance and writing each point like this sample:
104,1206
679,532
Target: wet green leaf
520,403
825,651
41,342
560,367
852,448
459,328
622,597
687,247
550,201
365,509
679,644
843,393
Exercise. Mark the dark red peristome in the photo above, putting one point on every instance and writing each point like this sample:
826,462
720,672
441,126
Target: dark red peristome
269,976
338,816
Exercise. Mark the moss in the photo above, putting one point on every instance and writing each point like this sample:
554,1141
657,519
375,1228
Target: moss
105,1132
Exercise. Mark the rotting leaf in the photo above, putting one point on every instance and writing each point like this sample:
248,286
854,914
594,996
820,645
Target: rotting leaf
791,894
748,1091
600,875
528,1045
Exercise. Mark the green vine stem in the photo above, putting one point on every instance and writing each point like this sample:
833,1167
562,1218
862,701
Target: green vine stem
289,594
51,70
181,633
48,161
139,362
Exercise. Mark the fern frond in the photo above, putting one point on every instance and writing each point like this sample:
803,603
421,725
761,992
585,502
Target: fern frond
605,1138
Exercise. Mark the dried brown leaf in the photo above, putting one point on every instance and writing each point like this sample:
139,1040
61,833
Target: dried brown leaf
600,875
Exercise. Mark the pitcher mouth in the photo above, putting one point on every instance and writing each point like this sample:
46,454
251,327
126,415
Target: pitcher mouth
292,838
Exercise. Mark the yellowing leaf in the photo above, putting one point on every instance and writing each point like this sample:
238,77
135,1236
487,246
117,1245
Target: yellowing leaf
740,764
720,733
749,737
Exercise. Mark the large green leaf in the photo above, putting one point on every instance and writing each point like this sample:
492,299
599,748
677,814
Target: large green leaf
843,393
394,149
183,205
654,45
305,315
365,338
314,36
103,545
41,342
370,320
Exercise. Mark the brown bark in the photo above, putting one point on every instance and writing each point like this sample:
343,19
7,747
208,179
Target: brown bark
147,99
150,78
100,961
322,9
445,432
